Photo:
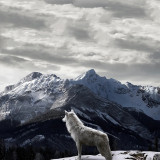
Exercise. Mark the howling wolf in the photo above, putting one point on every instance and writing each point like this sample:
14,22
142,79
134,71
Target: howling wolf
87,136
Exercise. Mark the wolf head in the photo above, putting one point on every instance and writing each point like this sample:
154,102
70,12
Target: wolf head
67,114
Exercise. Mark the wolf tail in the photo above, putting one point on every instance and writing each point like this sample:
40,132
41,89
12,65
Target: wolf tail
108,150
104,148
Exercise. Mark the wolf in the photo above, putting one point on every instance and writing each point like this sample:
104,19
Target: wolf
83,135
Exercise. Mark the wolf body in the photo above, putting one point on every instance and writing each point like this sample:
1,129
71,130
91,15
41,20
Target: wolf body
83,135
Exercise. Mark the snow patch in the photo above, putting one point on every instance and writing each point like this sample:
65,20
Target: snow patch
119,155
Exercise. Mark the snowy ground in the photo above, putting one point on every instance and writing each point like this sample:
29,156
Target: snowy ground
122,155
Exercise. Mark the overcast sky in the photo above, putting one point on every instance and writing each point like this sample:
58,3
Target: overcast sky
119,39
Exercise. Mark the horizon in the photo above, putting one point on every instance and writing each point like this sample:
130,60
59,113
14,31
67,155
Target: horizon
118,39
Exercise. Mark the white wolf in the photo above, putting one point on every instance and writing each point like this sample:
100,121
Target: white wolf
87,136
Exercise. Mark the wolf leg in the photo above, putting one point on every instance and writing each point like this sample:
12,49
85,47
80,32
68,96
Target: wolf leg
104,150
79,148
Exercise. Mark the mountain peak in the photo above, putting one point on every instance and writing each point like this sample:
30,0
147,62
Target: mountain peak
90,73
31,76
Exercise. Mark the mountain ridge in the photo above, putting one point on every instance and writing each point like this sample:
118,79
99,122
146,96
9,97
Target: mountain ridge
41,91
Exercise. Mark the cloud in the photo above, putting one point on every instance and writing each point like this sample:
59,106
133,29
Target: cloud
141,74
78,29
1,41
123,10
155,57
11,60
41,55
79,33
117,38
120,9
137,45
91,3
23,63
59,1
134,9
19,20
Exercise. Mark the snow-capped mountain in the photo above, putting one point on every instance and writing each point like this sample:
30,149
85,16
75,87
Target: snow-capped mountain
37,93
140,98
31,96
39,102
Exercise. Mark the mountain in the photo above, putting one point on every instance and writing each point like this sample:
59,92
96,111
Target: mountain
31,111
141,98
36,93
31,96
110,117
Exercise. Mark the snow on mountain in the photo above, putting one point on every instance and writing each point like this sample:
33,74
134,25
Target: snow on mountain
31,96
36,93
121,155
141,98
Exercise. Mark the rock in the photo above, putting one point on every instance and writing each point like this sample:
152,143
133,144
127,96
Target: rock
156,157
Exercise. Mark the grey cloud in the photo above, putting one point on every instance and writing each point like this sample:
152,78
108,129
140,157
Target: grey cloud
43,56
151,69
126,11
1,41
119,9
79,29
121,71
141,72
155,55
18,62
19,20
136,45
6,42
59,1
79,33
76,31
101,65
90,54
11,60
91,3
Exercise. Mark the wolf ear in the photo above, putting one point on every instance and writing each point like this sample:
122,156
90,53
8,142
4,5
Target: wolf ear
66,113
72,110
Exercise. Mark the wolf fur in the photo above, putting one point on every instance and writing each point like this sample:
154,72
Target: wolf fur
86,135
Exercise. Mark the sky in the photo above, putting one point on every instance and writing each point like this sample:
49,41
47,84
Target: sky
119,39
